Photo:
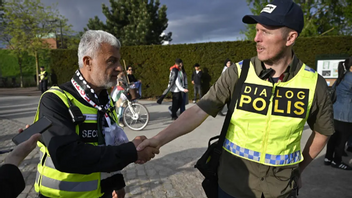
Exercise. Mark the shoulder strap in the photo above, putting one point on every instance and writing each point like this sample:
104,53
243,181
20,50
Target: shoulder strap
236,93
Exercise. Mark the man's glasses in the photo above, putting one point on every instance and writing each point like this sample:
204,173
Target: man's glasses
130,69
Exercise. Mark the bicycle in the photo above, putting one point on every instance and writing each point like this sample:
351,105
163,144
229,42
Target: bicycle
135,115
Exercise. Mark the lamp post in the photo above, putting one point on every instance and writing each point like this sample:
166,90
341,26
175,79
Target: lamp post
61,36
62,40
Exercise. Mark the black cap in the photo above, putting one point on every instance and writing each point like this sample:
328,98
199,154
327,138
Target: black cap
178,61
279,13
41,66
196,65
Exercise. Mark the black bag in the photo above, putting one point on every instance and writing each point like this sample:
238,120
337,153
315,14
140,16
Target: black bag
209,162
333,93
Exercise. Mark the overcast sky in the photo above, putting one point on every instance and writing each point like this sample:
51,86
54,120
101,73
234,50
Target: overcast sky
190,21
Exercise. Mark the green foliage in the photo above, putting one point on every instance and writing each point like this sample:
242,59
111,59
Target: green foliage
63,64
9,64
321,17
134,22
26,23
151,63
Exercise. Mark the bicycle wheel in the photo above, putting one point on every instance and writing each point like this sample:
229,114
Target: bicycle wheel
136,116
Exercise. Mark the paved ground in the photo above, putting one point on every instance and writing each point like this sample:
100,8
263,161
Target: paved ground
170,174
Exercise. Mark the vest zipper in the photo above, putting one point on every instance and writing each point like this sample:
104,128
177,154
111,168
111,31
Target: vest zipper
268,126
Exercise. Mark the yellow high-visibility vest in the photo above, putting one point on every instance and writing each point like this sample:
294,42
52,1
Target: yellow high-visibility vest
51,182
268,119
42,77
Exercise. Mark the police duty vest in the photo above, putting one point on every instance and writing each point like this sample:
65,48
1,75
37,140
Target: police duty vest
51,182
42,77
268,119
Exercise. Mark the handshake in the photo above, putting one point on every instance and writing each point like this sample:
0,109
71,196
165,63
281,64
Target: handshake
146,148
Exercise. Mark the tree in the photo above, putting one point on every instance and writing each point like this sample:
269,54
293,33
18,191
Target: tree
27,22
134,22
321,17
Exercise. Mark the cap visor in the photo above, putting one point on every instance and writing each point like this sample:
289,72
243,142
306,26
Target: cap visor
252,19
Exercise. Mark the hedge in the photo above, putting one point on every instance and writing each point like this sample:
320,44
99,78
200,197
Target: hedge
151,63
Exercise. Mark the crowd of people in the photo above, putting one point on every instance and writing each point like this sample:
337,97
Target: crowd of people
83,152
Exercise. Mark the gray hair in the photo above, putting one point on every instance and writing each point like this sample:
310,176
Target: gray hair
91,41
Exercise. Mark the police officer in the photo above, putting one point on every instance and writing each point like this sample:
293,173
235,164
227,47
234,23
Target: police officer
43,79
262,154
73,152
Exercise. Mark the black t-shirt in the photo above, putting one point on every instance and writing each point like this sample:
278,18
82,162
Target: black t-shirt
131,78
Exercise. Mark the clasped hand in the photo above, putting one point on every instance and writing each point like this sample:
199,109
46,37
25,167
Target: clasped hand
147,153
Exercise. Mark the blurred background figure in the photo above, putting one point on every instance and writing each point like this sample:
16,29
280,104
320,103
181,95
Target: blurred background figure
43,79
197,82
134,83
228,63
342,117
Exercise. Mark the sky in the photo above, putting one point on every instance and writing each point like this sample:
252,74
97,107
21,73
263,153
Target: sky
190,21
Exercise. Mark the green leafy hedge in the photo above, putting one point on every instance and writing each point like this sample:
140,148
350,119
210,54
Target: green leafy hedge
9,67
151,63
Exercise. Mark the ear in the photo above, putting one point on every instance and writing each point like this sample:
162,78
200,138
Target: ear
291,38
87,62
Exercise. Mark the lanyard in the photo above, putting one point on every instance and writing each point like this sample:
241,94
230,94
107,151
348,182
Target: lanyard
83,94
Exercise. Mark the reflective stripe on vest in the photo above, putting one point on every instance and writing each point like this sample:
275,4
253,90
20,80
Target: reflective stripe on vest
51,182
268,120
269,159
91,116
69,186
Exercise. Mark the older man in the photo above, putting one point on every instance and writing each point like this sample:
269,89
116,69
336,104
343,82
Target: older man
74,150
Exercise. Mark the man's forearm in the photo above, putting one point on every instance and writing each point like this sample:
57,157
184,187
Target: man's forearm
187,122
314,145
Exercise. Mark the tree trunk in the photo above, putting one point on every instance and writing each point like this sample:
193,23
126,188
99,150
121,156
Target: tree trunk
21,75
37,67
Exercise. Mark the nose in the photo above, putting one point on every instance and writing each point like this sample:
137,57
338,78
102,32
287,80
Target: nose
257,37
118,66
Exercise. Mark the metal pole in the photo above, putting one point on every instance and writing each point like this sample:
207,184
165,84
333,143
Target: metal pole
62,41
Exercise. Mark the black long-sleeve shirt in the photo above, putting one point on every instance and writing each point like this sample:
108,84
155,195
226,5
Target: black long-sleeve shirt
197,77
68,150
11,181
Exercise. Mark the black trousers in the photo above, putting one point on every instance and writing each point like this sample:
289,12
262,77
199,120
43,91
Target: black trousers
336,143
43,85
176,103
197,89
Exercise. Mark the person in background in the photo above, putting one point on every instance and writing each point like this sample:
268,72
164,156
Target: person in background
197,82
228,63
175,86
184,94
118,96
11,179
134,83
262,154
43,79
342,117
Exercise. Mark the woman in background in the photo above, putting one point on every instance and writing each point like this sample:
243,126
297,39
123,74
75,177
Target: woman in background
342,117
